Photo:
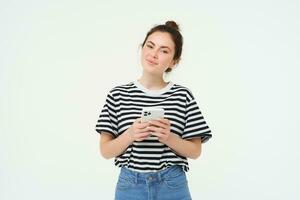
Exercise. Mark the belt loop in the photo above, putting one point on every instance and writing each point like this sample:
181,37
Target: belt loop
136,177
159,176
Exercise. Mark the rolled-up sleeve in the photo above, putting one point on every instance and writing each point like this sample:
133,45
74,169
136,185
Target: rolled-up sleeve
107,120
195,126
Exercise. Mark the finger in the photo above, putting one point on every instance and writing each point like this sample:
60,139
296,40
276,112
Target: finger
158,123
143,135
151,128
146,129
164,121
143,138
143,125
156,129
157,134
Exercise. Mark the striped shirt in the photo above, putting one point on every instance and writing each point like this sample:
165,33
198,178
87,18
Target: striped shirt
124,104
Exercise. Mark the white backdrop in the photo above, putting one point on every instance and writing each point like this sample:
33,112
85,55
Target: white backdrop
60,58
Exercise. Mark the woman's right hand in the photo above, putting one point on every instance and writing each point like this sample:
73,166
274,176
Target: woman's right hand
138,131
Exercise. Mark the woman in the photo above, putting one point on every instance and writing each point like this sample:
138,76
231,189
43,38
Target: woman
153,155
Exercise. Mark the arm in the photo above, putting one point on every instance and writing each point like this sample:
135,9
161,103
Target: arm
111,147
188,148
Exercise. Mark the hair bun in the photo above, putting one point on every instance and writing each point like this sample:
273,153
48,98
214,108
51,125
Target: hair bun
173,25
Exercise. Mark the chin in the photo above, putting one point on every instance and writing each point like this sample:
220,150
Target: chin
151,69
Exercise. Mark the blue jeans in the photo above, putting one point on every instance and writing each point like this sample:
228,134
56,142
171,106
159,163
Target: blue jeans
167,184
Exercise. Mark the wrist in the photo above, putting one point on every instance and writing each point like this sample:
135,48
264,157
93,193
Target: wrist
169,140
128,136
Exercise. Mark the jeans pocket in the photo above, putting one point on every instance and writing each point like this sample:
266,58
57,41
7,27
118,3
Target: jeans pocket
124,183
176,182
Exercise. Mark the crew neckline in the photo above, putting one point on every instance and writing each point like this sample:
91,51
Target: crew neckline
153,92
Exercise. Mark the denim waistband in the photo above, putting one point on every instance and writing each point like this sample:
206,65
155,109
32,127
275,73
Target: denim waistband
164,174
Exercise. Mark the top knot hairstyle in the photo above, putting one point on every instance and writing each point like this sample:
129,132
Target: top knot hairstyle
172,28
173,25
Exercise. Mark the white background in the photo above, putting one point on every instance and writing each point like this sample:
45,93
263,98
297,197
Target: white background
59,58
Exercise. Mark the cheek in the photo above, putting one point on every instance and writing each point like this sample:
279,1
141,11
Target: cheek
143,54
166,59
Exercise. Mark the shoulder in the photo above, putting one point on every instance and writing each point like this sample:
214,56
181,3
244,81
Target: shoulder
121,88
184,89
124,86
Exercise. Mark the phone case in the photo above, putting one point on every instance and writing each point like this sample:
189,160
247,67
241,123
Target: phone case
152,113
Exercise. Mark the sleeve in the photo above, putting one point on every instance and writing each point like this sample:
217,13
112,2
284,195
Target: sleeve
107,120
195,125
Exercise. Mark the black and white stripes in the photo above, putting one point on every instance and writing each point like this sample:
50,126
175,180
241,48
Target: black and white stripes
124,104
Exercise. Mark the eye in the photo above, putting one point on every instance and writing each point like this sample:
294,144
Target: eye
165,51
149,46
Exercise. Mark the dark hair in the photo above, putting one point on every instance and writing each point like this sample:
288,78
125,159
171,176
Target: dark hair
172,28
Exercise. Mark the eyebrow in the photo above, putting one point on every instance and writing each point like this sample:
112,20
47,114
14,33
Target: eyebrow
160,46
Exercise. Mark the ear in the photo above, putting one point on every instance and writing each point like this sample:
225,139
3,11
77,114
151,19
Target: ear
174,63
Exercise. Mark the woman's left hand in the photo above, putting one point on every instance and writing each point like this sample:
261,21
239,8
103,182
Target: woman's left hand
161,129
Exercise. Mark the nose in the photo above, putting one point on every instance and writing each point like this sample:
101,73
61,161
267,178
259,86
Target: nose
153,53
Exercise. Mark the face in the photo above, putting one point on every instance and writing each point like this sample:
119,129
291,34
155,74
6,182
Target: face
157,53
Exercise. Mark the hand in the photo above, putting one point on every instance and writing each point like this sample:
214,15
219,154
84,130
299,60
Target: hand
161,129
138,131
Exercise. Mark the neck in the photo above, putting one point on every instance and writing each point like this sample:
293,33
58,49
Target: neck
152,82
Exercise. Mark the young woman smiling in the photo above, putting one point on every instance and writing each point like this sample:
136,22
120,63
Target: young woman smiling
153,155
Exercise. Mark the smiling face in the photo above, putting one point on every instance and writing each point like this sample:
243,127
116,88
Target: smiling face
157,53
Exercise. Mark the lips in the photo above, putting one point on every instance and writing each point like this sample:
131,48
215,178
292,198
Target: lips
151,62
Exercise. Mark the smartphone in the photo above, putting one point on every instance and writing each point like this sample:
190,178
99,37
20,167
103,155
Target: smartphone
152,113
